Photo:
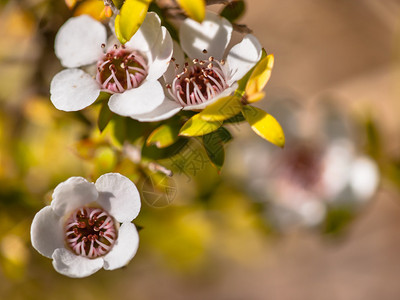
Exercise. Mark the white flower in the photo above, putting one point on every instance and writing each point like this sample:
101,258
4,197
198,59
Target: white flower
303,180
88,225
207,75
129,72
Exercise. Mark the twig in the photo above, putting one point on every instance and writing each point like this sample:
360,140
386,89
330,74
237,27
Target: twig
134,154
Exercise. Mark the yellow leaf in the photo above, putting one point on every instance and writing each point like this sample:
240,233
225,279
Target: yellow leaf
222,109
93,8
71,3
260,76
163,136
198,127
264,125
195,9
132,15
255,97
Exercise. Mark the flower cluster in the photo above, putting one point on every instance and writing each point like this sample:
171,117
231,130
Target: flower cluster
148,77
131,72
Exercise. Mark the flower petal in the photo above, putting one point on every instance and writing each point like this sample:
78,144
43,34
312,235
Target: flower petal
179,58
73,89
364,178
124,248
230,90
164,111
71,265
119,196
213,35
78,42
147,35
243,56
140,100
163,53
72,194
46,232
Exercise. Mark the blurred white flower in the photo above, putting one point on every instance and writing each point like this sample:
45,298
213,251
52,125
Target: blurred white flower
316,171
207,75
129,72
88,226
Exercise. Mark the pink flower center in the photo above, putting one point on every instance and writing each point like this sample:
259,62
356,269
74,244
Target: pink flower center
120,70
302,165
198,82
90,232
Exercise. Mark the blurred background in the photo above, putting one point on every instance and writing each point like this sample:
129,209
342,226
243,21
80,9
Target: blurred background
332,234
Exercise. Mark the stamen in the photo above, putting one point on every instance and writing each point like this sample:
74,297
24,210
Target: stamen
198,82
90,232
118,70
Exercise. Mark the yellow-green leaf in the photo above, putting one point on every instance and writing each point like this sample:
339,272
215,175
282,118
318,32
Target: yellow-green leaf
198,127
264,125
214,146
105,116
195,9
163,136
255,97
132,15
260,75
222,109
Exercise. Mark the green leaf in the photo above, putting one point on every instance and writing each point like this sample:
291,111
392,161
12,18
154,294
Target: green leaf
163,136
135,129
235,119
214,146
260,76
195,9
222,109
154,153
132,15
233,10
224,134
198,127
242,82
105,116
118,3
119,129
264,125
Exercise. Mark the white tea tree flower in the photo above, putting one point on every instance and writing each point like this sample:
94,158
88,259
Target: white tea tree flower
208,74
88,225
304,180
128,72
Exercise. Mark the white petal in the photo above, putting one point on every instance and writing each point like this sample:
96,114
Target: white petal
179,57
147,35
73,89
46,232
243,56
166,110
72,194
119,196
124,248
71,265
214,35
163,53
364,178
140,100
337,162
230,90
78,42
